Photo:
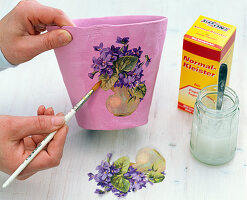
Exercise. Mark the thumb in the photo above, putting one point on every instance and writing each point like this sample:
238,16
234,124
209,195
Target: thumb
42,124
49,40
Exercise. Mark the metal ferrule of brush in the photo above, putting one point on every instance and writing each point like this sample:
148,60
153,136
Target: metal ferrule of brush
82,101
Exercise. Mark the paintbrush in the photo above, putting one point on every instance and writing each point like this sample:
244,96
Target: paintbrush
50,136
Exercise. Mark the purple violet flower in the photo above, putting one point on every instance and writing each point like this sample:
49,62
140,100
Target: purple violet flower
125,52
115,170
103,171
105,63
106,170
129,53
163,173
113,58
91,75
91,176
115,50
123,40
137,73
105,60
96,63
120,81
98,191
128,82
109,71
98,48
138,180
136,186
109,155
106,50
138,52
121,194
148,60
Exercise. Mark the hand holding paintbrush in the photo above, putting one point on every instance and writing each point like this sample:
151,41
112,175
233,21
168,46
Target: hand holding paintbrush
50,136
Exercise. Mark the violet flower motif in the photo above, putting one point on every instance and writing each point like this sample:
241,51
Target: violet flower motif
137,52
106,60
120,81
137,182
91,75
137,73
163,173
108,71
137,179
114,170
103,166
91,176
125,52
123,40
96,63
113,58
124,49
98,48
109,155
112,51
135,186
121,194
98,191
148,60
129,53
106,50
128,82
115,50
103,177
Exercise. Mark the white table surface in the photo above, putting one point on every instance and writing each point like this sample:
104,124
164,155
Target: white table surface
39,82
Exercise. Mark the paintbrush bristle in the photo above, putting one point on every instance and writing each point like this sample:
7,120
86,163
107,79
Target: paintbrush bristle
96,86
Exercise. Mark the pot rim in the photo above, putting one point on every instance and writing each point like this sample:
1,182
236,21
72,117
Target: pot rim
148,19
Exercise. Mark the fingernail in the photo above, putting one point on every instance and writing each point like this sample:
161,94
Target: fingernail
64,37
57,120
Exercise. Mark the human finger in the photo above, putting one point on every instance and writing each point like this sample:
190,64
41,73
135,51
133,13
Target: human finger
44,42
55,147
39,138
22,127
37,13
49,158
41,110
49,111
29,144
24,177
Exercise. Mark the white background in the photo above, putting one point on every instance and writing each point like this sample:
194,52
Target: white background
39,82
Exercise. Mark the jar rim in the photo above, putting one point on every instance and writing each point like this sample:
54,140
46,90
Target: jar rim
203,92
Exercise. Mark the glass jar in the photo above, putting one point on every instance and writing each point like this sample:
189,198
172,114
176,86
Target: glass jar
214,132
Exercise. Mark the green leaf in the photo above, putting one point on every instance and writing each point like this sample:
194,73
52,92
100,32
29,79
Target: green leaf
133,98
155,177
120,183
123,163
140,90
107,82
155,167
126,63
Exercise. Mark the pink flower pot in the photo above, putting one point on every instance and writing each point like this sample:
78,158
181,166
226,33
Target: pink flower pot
128,69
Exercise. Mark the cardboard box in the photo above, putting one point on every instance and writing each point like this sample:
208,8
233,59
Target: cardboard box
206,45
